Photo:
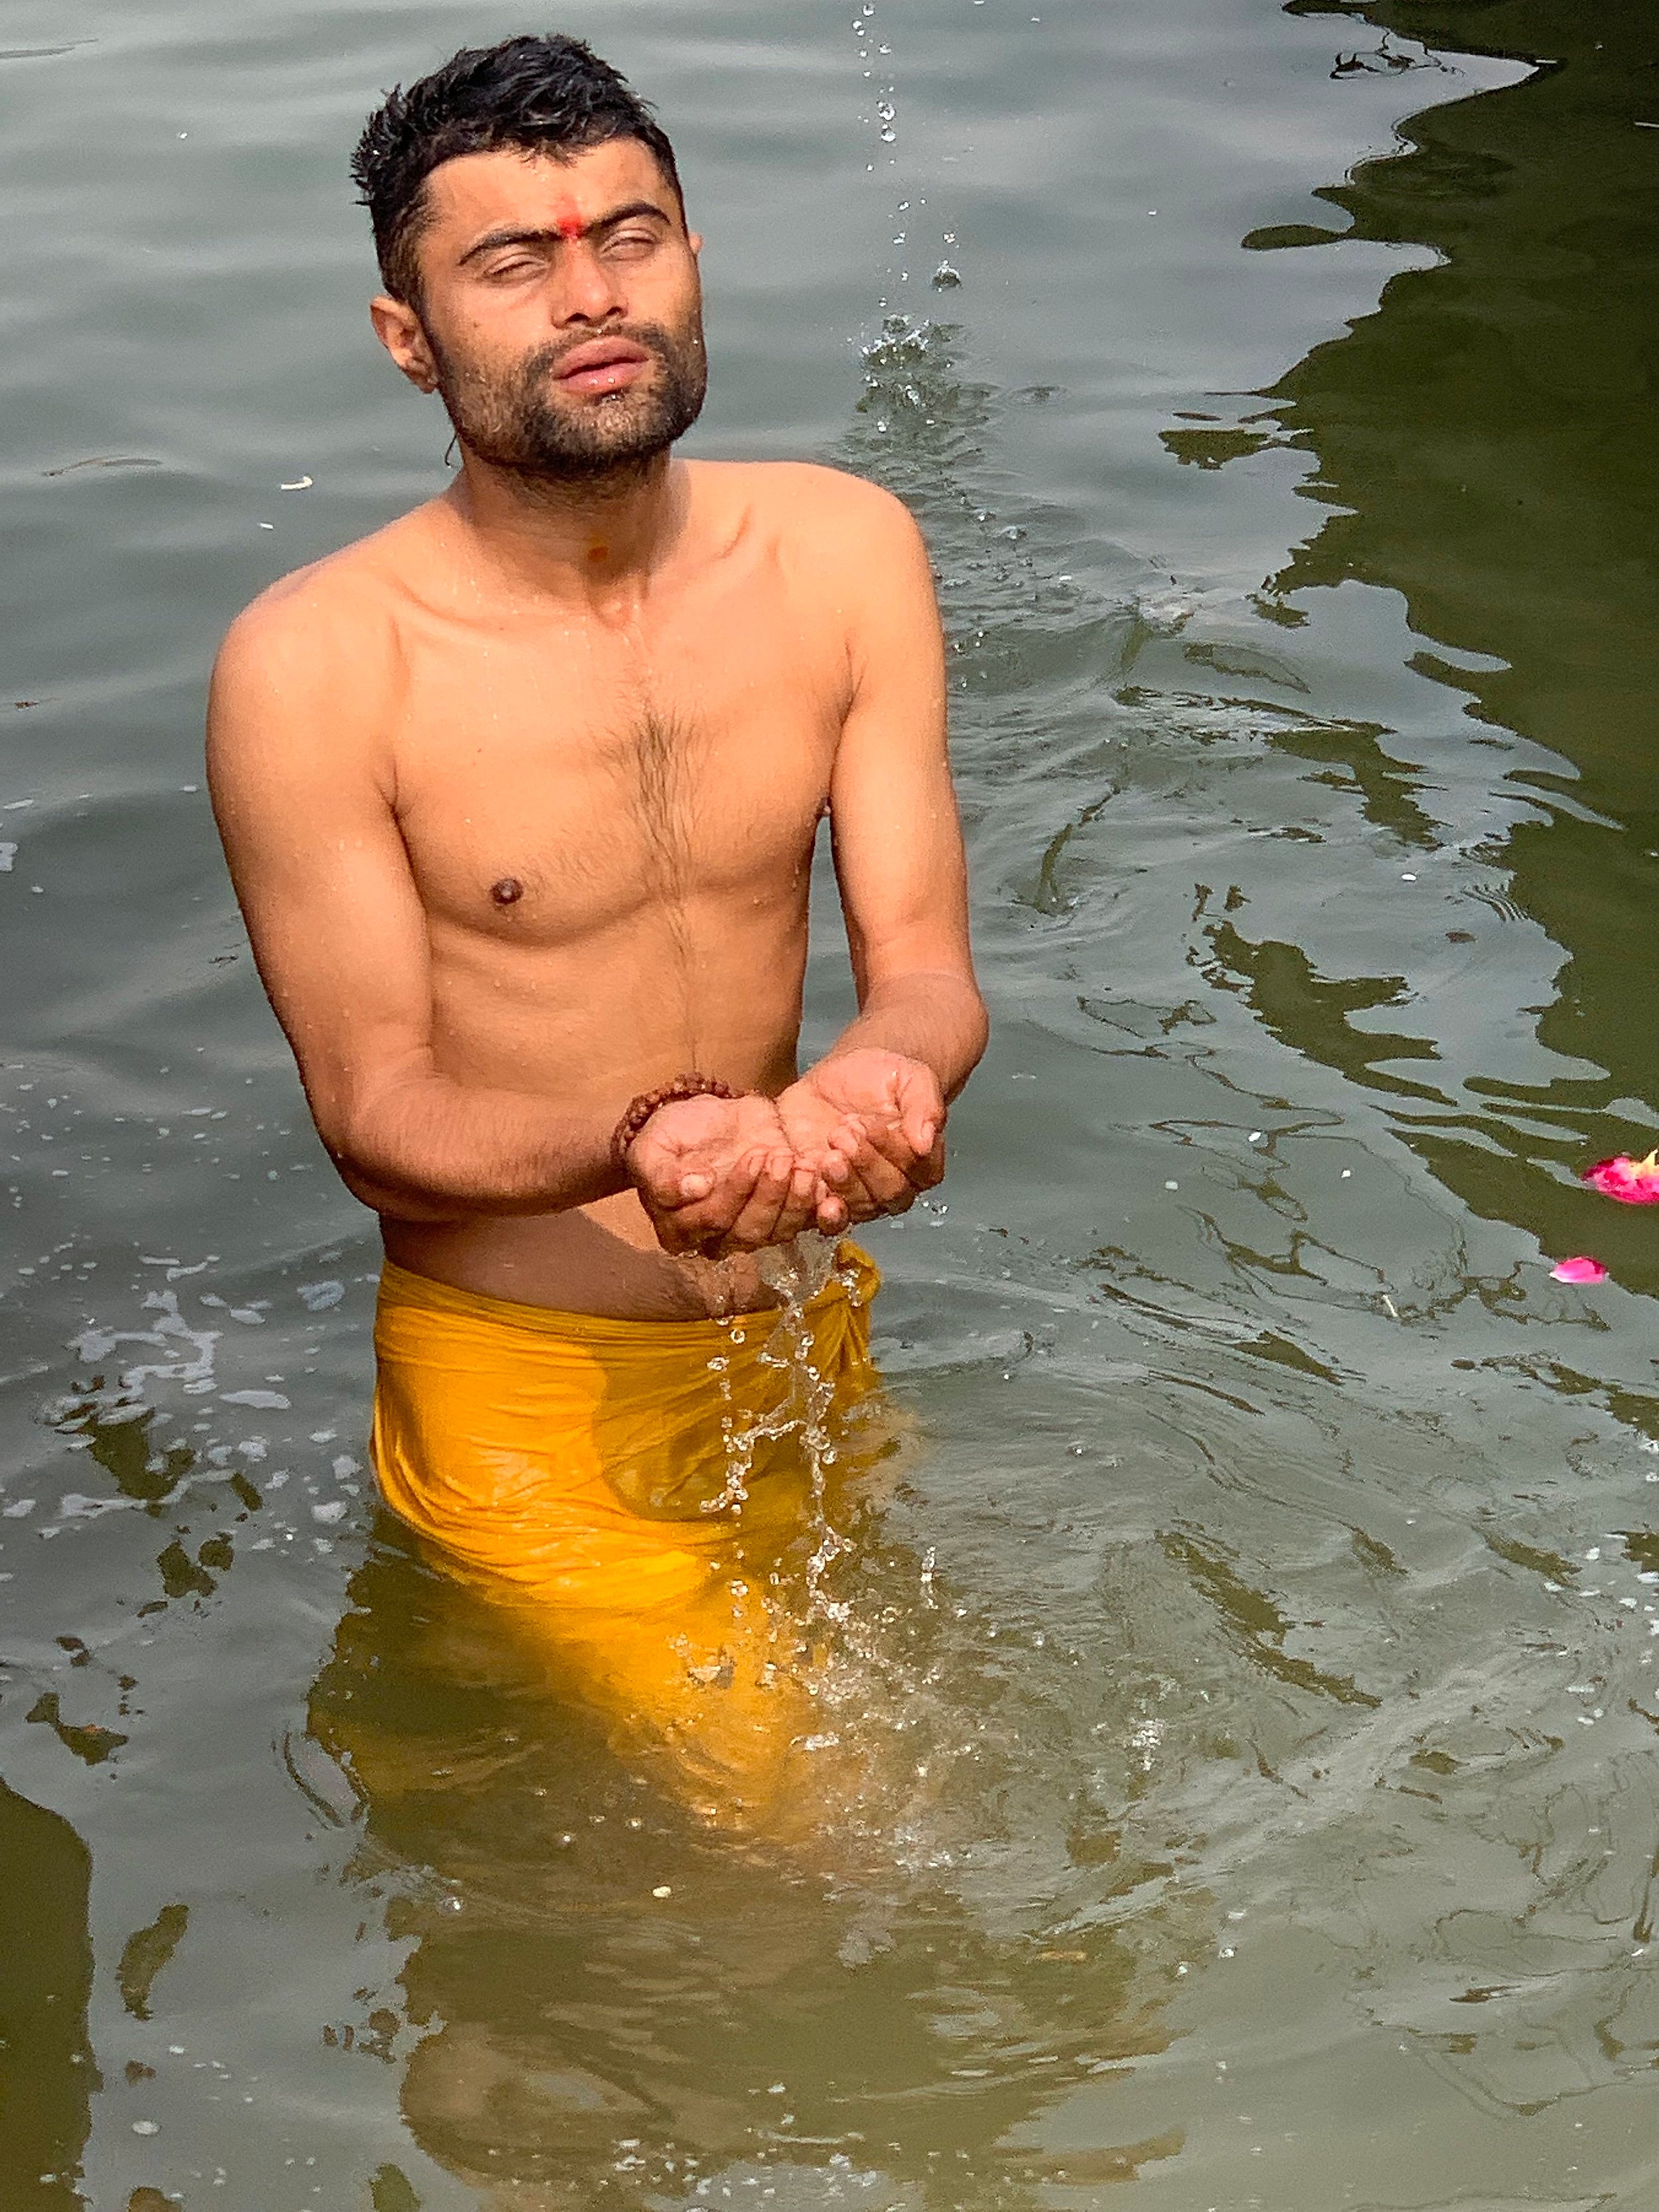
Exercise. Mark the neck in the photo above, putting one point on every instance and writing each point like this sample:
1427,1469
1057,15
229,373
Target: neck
577,536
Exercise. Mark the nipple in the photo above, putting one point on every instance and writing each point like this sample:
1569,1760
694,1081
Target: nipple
508,892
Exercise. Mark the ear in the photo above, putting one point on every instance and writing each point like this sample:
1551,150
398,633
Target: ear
693,240
397,327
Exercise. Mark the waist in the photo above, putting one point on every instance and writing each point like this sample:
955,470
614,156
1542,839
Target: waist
602,1260
851,1276
491,1411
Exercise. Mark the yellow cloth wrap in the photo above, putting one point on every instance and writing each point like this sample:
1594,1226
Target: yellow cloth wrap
562,1462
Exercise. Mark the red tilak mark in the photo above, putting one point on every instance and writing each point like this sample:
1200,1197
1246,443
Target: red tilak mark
568,224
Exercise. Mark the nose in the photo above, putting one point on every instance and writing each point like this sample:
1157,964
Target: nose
588,291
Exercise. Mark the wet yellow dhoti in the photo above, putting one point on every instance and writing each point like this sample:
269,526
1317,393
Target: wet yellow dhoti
631,1488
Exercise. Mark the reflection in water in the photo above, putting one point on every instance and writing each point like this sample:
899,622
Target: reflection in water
602,1995
1483,445
46,2071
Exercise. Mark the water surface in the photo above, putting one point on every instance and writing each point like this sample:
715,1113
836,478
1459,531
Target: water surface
1261,1625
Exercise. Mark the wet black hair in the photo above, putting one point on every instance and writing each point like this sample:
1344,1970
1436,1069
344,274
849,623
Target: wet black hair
533,94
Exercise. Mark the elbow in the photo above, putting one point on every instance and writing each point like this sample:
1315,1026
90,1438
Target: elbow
385,1192
349,1138
361,1141
385,1203
351,1147
976,1035
367,1128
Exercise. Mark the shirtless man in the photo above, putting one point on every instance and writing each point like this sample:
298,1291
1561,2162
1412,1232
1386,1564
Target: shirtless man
520,797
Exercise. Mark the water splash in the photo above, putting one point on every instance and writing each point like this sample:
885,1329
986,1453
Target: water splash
797,1274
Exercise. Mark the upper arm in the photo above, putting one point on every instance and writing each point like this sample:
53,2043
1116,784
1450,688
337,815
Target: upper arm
303,800
897,837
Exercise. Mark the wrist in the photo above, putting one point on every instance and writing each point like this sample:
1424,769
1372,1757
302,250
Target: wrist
641,1108
871,1067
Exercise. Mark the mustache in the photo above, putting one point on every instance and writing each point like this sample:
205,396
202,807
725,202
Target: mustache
651,337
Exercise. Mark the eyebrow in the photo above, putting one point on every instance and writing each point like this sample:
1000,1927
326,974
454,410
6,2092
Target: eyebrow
553,234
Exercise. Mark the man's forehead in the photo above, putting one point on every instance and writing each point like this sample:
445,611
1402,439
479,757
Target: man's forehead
474,190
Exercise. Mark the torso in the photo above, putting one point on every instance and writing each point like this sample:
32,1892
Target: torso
609,816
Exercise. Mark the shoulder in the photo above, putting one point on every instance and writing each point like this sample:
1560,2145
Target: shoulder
795,493
849,547
333,625
307,672
339,622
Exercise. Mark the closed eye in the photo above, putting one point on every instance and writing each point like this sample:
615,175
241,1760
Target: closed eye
507,272
633,242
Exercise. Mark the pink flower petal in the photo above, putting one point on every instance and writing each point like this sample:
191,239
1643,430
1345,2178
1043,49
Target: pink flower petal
1581,1270
1632,1183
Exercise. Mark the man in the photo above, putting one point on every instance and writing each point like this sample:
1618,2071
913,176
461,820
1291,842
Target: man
520,796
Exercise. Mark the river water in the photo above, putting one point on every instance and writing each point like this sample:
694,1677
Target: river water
1265,1601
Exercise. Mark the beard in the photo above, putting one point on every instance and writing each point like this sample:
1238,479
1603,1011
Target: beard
514,420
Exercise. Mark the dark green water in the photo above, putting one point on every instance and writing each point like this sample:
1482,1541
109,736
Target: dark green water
1270,1592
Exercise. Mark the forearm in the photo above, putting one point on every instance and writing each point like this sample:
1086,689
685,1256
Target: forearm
933,1016
429,1149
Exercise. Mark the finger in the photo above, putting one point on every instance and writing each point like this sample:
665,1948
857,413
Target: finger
832,1215
697,1222
887,1177
880,1168
801,1204
923,1122
931,1169
671,1235
675,1196
892,1134
885,1152
923,1174
857,1201
846,1141
923,1168
834,1167
921,1110
679,1230
757,1221
660,1173
883,1184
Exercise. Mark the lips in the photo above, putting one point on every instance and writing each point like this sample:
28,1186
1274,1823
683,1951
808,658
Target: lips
603,365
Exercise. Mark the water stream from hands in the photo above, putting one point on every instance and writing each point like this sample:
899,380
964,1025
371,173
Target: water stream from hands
868,1690
796,1272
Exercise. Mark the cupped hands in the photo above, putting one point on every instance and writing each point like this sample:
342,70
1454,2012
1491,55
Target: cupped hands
858,1135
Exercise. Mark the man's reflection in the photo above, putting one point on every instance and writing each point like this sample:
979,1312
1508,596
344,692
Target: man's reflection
613,1992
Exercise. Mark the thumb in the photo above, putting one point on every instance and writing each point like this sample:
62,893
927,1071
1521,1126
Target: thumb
663,1173
921,1110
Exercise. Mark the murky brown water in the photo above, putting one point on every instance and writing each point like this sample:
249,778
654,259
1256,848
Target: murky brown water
1251,1648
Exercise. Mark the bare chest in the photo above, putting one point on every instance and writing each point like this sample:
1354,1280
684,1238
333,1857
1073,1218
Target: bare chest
552,787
